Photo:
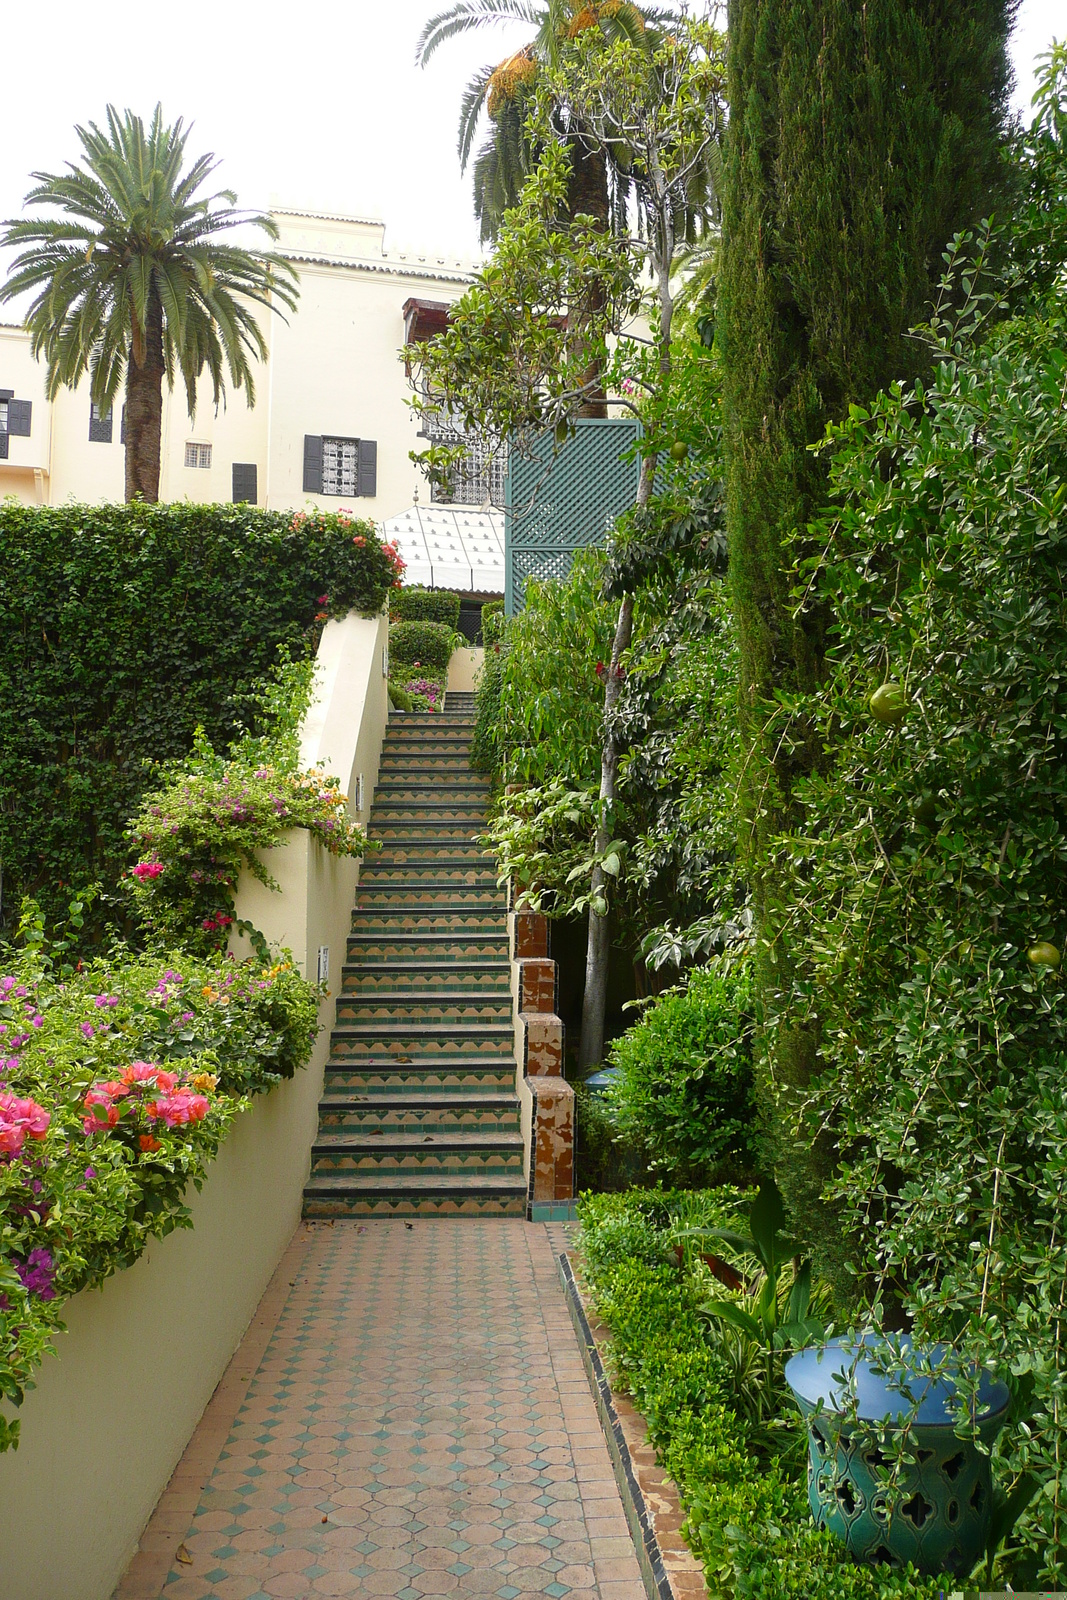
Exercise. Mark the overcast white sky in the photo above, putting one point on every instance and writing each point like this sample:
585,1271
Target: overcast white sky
316,104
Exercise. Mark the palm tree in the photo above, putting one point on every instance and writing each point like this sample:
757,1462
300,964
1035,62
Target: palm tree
135,283
500,92
598,187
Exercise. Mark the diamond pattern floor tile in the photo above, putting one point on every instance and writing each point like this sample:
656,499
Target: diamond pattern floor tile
407,1417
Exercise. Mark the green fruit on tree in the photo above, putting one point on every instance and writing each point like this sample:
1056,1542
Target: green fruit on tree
679,450
1043,954
889,704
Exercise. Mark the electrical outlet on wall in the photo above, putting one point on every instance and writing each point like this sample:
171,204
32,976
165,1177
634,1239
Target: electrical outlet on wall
357,792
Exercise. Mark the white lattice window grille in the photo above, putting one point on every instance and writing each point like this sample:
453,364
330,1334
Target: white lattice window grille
198,455
340,466
478,475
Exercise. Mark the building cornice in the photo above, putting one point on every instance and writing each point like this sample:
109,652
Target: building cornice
386,268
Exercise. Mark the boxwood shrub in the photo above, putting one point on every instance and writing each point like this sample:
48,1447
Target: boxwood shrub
416,604
684,1092
747,1516
123,628
424,644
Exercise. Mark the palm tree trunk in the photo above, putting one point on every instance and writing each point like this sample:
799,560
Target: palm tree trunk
588,196
144,408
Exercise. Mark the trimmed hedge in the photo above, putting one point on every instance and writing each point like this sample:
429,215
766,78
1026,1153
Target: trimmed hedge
124,627
423,644
424,605
748,1521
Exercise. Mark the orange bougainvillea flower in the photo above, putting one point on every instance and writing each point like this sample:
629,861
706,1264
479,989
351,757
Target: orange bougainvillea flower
148,1144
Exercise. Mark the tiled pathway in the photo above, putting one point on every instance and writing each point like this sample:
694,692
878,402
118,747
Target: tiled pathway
408,1416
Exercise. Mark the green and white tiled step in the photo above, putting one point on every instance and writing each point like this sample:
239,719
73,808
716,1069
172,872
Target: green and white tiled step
418,1075
425,1195
468,1151
430,1111
419,1114
487,976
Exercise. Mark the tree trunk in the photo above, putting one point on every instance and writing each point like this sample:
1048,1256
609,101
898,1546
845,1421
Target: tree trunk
587,195
594,998
144,407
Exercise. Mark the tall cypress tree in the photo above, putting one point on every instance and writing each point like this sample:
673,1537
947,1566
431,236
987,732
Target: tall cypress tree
861,138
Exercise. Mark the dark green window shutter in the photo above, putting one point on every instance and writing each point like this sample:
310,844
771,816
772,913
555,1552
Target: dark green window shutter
19,413
312,463
122,426
367,482
245,486
100,425
3,445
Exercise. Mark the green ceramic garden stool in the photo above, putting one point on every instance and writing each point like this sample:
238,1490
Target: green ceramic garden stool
937,1514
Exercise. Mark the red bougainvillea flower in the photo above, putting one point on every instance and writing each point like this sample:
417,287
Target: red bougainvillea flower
148,1144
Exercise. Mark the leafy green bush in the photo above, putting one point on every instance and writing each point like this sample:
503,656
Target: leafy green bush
494,622
123,1080
399,698
416,604
125,627
485,753
747,1515
551,698
684,1091
421,644
212,813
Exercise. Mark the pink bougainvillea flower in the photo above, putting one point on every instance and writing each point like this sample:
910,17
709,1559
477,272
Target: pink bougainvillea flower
145,1072
87,1029
19,1120
181,1107
147,869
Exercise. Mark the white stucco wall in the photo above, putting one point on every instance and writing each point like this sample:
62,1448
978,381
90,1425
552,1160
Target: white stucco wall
117,1404
333,368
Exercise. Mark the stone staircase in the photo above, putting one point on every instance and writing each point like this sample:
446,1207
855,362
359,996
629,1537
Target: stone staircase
419,1116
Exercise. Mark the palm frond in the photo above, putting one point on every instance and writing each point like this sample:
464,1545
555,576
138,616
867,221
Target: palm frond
465,16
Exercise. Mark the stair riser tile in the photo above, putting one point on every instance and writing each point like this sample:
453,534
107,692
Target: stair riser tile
389,1166
362,1011
369,926
385,951
369,1120
396,874
361,1206
422,1080
406,984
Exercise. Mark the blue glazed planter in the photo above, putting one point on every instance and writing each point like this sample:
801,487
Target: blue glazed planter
937,1516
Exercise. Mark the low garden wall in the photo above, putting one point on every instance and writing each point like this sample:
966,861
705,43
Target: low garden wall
463,668
116,1405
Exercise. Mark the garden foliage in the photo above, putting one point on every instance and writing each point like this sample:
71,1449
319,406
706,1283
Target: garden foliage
421,644
746,1503
213,813
933,860
684,1092
118,1082
123,629
416,604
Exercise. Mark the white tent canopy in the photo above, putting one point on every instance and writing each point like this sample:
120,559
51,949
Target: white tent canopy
451,547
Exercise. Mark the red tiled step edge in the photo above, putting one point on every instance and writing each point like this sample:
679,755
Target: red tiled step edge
651,1499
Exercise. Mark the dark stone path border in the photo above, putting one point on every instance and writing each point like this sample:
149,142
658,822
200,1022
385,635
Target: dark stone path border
653,1507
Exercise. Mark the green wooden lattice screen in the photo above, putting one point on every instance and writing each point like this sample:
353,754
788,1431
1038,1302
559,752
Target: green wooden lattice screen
554,506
